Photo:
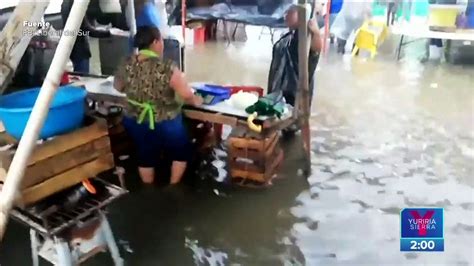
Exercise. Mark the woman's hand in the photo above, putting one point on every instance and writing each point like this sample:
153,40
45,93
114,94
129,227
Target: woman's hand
313,26
197,101
316,41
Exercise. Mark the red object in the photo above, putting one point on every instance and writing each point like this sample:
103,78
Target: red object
234,90
326,27
65,79
199,35
183,19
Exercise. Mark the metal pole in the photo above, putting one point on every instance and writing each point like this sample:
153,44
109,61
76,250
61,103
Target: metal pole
326,27
183,20
303,81
40,111
132,20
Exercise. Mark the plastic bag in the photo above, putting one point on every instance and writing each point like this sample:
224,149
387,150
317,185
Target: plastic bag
350,18
283,75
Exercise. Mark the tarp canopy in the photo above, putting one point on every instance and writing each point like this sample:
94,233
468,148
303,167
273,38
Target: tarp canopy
255,12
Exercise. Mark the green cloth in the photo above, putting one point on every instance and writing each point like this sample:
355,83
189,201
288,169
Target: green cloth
269,105
149,53
148,111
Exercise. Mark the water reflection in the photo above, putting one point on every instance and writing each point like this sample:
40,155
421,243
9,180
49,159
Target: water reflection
382,144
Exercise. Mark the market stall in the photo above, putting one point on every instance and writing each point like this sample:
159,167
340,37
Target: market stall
449,22
246,129
426,33
66,197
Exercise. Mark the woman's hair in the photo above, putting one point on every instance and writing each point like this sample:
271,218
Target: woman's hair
146,35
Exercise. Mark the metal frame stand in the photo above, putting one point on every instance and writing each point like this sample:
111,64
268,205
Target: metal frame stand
272,33
60,251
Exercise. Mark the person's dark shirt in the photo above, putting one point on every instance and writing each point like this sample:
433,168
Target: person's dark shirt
284,67
81,49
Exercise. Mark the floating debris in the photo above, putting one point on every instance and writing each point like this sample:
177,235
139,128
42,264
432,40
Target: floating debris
126,246
6,147
124,157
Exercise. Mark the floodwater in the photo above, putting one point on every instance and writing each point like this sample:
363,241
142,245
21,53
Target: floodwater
386,135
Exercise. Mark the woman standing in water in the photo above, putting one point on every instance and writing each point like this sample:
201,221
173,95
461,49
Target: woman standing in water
152,84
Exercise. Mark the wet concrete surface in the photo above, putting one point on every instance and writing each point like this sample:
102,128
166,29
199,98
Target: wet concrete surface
385,135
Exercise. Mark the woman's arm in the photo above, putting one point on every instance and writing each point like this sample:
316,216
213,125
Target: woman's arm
316,41
118,84
180,85
88,26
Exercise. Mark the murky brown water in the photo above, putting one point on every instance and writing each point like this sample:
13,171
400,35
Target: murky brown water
386,136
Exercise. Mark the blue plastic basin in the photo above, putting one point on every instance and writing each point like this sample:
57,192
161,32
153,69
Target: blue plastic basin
212,94
66,112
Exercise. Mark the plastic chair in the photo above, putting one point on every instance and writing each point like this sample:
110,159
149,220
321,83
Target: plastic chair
369,37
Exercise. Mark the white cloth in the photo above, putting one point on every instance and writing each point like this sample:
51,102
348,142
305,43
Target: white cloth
350,18
110,6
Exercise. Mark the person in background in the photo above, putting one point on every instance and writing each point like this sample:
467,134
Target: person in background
283,74
392,9
81,53
335,8
350,18
152,85
146,14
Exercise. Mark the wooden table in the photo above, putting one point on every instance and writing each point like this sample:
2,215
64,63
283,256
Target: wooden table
261,149
224,113
101,89
426,33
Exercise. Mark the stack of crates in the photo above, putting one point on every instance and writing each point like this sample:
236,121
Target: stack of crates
254,157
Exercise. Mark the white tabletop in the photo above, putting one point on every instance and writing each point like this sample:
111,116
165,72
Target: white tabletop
425,32
105,86
98,85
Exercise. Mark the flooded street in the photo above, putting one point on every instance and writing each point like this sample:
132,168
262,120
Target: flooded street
386,135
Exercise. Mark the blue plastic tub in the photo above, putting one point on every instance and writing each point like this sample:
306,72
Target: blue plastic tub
213,94
66,112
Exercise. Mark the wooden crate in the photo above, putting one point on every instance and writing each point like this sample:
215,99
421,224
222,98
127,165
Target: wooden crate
121,143
63,161
253,156
257,173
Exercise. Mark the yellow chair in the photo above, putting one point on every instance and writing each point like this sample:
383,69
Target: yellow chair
369,37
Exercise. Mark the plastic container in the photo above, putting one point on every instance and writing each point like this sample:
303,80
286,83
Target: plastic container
212,94
199,35
66,112
444,16
235,89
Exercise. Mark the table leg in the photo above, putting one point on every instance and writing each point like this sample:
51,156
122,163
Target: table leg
226,32
111,244
34,247
272,35
63,253
235,31
400,47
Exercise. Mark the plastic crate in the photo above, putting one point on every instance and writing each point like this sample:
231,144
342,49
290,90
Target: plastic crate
235,89
212,94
